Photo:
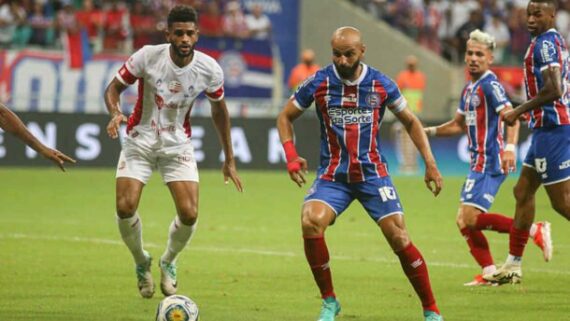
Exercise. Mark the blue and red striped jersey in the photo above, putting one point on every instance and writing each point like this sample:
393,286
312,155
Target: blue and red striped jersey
481,102
547,50
350,114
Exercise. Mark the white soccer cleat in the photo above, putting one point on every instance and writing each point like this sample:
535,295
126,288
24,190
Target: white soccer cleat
144,278
508,273
167,278
543,239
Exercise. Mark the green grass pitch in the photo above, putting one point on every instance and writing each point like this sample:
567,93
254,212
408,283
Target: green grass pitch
61,256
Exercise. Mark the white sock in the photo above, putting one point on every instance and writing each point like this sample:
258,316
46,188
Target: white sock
533,230
489,269
178,236
514,260
131,232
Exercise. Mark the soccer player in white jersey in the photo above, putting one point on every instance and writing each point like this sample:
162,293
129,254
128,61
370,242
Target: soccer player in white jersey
170,77
11,123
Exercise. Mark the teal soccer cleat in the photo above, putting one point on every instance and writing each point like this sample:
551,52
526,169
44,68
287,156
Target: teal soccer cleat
329,310
432,316
144,278
168,283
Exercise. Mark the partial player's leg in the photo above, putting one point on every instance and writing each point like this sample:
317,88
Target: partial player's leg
185,195
524,193
559,194
412,262
324,201
132,174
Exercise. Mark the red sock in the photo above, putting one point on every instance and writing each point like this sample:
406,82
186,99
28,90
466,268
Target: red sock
478,246
318,257
517,241
495,222
416,270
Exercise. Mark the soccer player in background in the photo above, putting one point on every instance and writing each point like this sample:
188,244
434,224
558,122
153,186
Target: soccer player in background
170,77
11,123
547,82
482,106
351,99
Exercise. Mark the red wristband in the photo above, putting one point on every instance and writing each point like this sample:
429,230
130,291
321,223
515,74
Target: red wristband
290,151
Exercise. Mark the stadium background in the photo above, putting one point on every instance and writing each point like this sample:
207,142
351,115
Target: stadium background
46,274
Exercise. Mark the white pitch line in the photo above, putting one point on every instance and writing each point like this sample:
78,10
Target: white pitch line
79,239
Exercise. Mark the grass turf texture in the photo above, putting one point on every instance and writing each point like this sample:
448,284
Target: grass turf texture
61,256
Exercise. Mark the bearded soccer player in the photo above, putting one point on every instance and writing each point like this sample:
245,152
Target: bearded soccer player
483,104
11,123
351,99
170,77
547,82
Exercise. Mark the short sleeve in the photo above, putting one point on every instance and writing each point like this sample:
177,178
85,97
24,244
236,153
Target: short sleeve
215,90
394,99
496,96
546,54
461,108
133,68
304,95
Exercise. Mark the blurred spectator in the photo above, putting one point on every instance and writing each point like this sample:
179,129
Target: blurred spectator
498,29
210,21
12,16
115,27
520,37
475,22
143,24
563,20
461,12
41,26
65,21
91,18
234,21
428,18
258,23
303,70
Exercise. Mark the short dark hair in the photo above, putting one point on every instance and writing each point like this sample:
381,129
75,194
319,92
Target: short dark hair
553,3
182,13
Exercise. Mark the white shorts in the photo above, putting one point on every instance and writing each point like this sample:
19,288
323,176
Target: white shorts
175,163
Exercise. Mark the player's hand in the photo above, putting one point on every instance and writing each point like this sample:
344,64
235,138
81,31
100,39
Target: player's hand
297,170
510,117
509,162
114,124
433,179
57,157
230,172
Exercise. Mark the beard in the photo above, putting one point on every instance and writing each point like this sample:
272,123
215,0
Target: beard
347,72
180,53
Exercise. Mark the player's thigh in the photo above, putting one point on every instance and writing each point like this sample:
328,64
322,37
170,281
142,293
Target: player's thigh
379,198
324,195
178,164
559,195
128,195
185,196
479,190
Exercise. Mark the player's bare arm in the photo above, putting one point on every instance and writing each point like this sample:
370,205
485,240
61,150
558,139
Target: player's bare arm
454,127
113,103
551,91
222,123
296,165
509,159
11,123
413,126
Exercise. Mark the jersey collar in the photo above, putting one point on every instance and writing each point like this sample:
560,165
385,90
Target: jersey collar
355,82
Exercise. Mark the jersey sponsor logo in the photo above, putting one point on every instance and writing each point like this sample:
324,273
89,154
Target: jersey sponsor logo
470,118
564,164
347,116
174,86
548,51
351,98
498,91
373,100
387,193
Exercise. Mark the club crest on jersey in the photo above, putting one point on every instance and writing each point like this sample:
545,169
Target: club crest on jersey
547,51
373,100
174,86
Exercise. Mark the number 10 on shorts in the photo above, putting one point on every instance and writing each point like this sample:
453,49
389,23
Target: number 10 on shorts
387,193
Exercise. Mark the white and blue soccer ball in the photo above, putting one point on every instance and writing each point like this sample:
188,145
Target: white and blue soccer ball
177,308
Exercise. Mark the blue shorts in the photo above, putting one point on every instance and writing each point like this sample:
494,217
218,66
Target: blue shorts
479,189
549,154
378,196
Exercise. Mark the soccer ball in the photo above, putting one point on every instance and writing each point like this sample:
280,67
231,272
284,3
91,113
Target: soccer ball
177,308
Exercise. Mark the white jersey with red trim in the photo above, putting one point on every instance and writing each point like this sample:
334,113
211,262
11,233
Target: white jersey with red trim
166,93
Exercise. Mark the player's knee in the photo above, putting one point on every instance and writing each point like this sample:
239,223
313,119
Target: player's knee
188,214
563,207
398,241
313,222
521,194
126,206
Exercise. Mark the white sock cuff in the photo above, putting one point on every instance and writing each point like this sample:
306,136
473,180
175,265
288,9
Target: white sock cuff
129,220
179,223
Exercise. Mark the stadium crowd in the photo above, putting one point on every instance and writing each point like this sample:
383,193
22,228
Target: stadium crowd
120,26
443,26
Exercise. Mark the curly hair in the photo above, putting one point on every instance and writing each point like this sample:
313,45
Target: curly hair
182,13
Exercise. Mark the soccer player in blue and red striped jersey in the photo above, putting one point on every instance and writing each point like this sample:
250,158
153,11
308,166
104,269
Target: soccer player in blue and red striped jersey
351,99
547,81
483,103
